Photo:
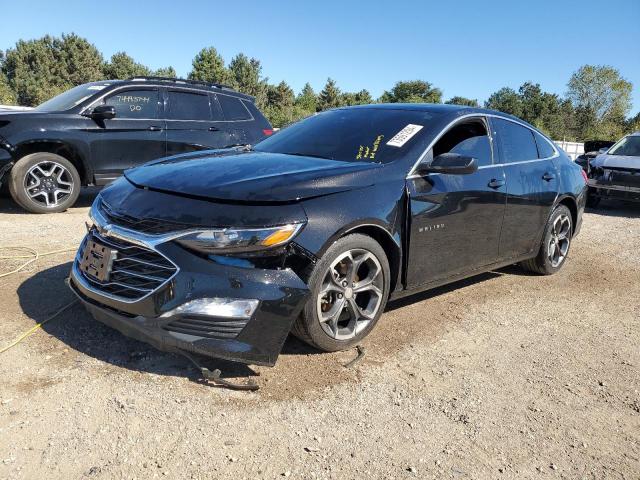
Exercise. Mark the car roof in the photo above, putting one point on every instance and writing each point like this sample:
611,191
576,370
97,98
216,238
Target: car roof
444,109
176,82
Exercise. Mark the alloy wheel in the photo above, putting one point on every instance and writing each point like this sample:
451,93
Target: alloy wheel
559,240
351,294
48,184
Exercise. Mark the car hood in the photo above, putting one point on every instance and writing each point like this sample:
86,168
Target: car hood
616,161
252,177
18,114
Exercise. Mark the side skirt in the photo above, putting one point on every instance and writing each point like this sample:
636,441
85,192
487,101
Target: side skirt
438,283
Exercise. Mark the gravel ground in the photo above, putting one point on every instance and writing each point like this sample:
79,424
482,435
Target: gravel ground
506,375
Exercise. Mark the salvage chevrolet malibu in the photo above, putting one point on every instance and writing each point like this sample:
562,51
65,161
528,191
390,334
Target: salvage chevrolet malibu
226,252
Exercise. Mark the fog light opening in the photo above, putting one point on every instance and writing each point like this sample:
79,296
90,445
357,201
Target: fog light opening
217,307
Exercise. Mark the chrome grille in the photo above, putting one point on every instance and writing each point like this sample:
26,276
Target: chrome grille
207,327
151,226
136,272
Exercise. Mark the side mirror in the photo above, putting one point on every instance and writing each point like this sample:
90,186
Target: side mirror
451,163
603,150
103,112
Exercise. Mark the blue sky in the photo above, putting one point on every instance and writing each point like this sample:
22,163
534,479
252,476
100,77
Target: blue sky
466,48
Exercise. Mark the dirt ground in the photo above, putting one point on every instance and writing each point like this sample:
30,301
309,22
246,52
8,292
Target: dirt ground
506,375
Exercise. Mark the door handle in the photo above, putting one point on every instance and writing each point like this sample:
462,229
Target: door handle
214,129
495,183
547,177
155,128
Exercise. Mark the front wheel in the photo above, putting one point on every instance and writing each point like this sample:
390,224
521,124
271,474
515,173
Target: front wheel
555,243
349,290
44,183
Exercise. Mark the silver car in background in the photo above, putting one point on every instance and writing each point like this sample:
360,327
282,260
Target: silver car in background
616,173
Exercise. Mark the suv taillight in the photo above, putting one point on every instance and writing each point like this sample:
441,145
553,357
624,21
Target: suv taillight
267,131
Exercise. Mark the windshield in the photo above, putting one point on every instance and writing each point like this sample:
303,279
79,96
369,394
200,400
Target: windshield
71,98
627,146
379,135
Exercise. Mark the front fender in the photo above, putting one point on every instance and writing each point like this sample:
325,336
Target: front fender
329,218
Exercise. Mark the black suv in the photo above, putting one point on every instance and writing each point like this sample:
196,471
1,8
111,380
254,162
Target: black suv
90,134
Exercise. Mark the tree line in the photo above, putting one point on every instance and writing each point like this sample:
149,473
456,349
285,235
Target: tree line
596,106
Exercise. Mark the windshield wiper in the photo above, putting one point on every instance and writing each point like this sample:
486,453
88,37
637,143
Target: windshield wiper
246,146
311,155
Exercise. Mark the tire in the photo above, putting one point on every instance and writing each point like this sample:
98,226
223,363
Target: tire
44,183
328,321
555,245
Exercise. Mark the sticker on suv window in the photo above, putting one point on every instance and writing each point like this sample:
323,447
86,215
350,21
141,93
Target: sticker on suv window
404,135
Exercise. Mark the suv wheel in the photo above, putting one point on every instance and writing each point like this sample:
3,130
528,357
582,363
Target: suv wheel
349,290
555,243
44,183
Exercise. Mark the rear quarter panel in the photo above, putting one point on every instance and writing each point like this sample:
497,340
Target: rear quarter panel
572,185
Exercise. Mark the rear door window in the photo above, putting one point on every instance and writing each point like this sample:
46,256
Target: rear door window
545,150
188,106
233,108
216,111
134,103
517,141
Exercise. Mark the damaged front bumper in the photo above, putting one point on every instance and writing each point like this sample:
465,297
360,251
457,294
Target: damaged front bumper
616,184
164,295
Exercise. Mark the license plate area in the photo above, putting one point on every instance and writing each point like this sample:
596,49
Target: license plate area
97,260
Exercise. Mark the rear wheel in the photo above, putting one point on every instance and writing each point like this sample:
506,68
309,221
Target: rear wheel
349,290
44,183
555,243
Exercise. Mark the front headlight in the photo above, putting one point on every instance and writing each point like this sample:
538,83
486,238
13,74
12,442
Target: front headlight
232,240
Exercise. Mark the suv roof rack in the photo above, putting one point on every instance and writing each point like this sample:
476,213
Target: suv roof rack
181,80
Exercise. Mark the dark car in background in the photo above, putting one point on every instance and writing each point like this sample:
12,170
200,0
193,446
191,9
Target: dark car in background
592,148
616,173
90,134
224,253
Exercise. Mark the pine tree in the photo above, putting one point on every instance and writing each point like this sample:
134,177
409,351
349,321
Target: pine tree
330,96
307,99
7,96
40,69
414,91
169,72
246,76
122,66
77,60
470,102
208,66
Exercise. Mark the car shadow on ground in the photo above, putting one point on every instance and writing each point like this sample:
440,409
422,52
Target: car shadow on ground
85,199
46,292
616,208
436,292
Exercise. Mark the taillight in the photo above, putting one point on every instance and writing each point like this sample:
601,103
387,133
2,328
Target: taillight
584,176
267,131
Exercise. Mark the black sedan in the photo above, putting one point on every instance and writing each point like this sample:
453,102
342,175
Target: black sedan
226,252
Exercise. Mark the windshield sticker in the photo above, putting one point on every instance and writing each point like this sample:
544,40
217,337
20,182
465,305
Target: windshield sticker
404,135
369,152
96,87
